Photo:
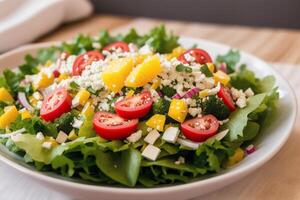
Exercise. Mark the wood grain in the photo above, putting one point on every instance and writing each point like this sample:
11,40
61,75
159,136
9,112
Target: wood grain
279,178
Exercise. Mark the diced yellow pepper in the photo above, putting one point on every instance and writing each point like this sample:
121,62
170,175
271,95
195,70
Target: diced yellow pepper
72,135
10,115
203,93
236,157
157,122
221,77
141,57
88,110
63,77
33,101
144,72
130,93
176,52
52,140
178,110
155,83
43,81
211,67
83,95
116,72
26,115
5,95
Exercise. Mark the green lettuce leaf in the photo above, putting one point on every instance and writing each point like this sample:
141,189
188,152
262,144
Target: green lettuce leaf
231,58
87,130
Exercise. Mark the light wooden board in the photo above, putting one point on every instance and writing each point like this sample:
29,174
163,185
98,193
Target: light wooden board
279,178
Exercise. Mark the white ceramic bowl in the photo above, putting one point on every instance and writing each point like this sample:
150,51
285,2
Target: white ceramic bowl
268,144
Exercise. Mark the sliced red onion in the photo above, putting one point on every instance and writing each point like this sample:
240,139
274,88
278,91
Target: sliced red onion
250,149
190,93
176,96
23,100
160,94
223,67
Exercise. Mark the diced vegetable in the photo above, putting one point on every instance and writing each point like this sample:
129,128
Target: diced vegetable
221,77
83,95
176,52
236,157
5,95
43,80
88,110
26,115
178,110
155,83
10,115
157,122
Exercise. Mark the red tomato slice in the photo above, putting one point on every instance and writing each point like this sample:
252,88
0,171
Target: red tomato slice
200,56
201,128
134,107
113,127
56,104
117,45
85,59
226,97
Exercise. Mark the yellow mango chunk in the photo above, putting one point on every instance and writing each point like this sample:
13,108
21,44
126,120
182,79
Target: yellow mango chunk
211,67
88,110
116,72
176,52
43,81
236,157
26,115
178,110
155,83
144,72
5,95
10,115
221,77
157,122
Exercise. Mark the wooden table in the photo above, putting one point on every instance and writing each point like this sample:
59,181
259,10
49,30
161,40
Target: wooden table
280,177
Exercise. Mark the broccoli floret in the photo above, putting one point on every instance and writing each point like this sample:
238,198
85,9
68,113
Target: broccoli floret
168,91
215,106
161,106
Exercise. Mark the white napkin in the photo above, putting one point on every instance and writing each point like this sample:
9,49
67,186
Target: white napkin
22,21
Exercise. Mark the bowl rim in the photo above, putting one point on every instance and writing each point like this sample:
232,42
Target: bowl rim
195,184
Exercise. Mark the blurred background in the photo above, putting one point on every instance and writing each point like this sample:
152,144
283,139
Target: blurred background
270,13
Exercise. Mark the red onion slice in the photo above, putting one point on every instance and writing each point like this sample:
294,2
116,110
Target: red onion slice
176,96
190,93
23,100
250,149
223,67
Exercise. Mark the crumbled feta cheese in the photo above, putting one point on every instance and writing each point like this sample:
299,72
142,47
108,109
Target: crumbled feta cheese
241,102
47,145
61,137
132,47
96,45
77,123
236,93
16,137
146,49
37,96
40,136
152,137
39,104
189,57
249,92
195,111
188,143
181,160
151,152
134,137
171,134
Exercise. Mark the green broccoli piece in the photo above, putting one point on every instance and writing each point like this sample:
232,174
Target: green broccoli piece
215,106
168,91
161,106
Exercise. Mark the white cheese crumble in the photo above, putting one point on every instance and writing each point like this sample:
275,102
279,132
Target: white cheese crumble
151,152
241,102
77,123
40,136
171,134
249,92
181,160
134,137
47,145
152,136
61,137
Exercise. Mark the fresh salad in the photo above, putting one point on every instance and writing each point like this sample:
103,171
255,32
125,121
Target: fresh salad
133,110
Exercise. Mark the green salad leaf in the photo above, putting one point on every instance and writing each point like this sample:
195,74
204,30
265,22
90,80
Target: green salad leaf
87,130
231,58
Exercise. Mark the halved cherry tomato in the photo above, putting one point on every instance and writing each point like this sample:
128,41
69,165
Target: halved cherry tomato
117,45
200,56
201,128
134,107
85,59
226,97
113,127
56,104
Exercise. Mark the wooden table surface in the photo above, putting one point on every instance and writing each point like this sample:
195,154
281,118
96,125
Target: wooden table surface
280,177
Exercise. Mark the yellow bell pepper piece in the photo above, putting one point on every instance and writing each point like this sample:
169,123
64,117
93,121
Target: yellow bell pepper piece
116,73
88,110
178,110
176,52
157,122
72,135
83,95
33,101
211,67
203,93
26,115
236,157
141,57
130,93
144,72
43,81
52,140
5,95
10,115
221,77
155,83
63,77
